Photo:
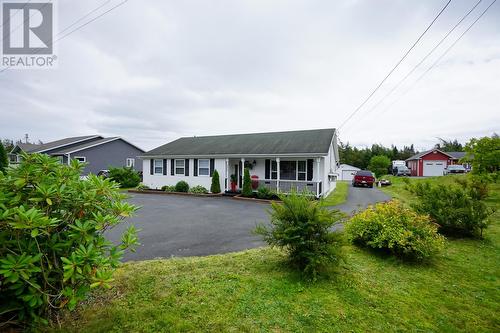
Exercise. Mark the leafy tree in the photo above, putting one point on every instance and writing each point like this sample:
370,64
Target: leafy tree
484,154
52,226
458,209
361,157
4,160
247,184
8,145
215,186
448,146
379,165
302,227
126,177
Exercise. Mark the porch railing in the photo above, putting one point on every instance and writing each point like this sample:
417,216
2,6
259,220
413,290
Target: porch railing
287,186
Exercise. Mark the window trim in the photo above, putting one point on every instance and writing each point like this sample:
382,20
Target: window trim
208,167
183,167
132,165
80,157
301,172
160,167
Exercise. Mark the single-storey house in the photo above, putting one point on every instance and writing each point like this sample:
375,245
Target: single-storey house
98,152
346,172
281,161
432,162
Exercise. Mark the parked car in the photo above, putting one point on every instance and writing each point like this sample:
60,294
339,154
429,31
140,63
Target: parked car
456,168
401,170
384,182
363,178
103,173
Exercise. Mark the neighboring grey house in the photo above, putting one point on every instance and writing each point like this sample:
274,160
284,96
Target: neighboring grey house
98,152
281,161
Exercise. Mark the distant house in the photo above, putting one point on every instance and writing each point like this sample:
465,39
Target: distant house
432,162
98,152
281,161
346,172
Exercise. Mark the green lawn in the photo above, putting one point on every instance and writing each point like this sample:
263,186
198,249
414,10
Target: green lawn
253,291
338,196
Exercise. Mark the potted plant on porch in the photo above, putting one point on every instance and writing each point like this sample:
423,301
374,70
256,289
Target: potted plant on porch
234,182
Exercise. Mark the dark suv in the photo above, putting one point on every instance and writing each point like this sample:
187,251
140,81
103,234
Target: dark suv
363,178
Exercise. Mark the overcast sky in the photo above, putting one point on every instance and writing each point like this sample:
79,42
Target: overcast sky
152,71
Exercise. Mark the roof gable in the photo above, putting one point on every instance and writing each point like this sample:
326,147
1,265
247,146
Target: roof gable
427,152
273,143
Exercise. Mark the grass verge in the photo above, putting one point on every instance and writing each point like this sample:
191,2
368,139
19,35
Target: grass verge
338,196
254,291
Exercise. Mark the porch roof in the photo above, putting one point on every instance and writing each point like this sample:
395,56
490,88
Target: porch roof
306,142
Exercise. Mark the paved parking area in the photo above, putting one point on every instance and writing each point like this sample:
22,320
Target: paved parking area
182,226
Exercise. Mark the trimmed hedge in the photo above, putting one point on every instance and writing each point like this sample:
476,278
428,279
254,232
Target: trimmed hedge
182,186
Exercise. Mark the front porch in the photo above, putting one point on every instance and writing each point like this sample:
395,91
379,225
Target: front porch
282,175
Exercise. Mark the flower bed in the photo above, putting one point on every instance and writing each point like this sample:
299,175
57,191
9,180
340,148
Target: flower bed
151,191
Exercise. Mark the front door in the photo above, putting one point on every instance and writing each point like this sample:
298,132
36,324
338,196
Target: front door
237,174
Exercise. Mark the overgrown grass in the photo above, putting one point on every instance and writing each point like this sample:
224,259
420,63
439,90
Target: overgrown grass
338,196
254,291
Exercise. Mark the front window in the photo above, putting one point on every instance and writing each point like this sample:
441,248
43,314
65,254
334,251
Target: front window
158,167
301,170
274,170
80,159
60,159
288,170
204,167
179,167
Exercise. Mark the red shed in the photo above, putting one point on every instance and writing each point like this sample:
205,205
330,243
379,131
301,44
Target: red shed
432,162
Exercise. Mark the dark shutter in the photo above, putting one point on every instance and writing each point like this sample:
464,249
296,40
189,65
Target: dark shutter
164,166
212,166
195,167
172,167
151,166
310,173
267,172
186,168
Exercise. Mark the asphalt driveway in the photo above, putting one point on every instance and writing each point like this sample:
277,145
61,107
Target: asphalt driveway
180,226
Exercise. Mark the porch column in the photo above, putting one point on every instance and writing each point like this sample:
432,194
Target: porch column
278,174
318,176
226,185
242,172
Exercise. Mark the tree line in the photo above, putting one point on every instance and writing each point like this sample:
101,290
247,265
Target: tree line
360,157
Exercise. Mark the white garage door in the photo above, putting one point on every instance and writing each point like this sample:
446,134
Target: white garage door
434,168
348,174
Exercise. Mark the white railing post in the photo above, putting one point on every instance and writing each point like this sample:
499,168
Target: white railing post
278,174
318,160
227,175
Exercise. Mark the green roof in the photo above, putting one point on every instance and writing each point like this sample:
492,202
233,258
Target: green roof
275,143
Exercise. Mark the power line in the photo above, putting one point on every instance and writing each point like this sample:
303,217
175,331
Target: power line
92,20
85,16
425,57
440,57
80,26
394,68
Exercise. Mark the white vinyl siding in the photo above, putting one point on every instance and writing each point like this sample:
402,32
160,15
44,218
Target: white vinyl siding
203,167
